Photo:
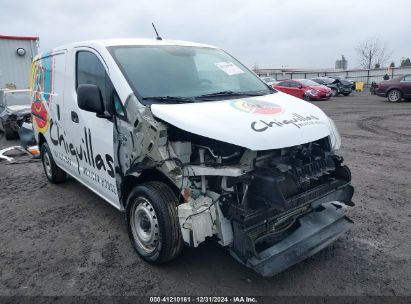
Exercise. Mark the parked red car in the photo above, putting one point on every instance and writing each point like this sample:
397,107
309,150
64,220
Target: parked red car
396,88
304,88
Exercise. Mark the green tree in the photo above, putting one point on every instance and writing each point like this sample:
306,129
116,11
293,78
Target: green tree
392,65
377,66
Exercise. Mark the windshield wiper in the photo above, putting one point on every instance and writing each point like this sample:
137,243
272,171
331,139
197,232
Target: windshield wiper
170,99
230,93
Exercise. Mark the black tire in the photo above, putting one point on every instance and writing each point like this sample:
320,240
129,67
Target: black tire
346,94
152,222
306,97
10,134
53,173
334,92
394,95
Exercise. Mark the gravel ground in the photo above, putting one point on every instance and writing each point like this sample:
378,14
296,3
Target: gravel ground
64,240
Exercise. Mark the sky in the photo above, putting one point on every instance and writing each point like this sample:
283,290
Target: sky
269,34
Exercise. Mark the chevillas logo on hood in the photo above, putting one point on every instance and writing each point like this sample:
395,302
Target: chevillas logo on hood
257,107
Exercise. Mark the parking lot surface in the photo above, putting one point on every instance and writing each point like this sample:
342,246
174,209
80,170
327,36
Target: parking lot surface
65,240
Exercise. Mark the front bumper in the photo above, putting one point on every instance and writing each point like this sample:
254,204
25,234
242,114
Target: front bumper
321,97
316,231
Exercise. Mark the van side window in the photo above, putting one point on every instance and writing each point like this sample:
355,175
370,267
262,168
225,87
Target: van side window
90,70
118,106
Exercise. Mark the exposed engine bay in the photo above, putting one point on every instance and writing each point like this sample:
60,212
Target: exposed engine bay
259,192
247,200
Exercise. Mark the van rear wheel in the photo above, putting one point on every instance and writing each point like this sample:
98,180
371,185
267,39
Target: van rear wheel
152,222
53,173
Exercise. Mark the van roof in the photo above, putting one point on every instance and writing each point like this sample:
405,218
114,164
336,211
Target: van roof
124,41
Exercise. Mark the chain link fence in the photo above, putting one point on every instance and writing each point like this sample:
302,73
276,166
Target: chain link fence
365,76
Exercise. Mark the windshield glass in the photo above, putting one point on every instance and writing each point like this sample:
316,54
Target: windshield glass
180,71
308,82
17,98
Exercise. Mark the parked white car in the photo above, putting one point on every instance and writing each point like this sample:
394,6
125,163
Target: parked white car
190,144
268,80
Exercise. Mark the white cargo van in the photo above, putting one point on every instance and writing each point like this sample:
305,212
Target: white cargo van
190,144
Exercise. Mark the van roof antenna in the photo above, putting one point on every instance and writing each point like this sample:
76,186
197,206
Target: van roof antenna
158,37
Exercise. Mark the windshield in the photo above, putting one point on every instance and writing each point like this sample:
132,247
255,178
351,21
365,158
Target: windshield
308,82
17,98
187,72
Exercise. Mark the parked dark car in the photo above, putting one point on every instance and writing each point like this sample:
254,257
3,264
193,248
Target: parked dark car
344,80
395,89
337,86
14,111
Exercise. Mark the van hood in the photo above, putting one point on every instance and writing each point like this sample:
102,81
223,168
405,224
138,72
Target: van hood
258,123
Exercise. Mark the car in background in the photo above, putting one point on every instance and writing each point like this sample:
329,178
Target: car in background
268,80
303,88
395,89
15,109
337,86
344,80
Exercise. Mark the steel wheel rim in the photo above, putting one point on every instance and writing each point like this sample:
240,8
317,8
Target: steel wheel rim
394,96
333,92
144,225
47,164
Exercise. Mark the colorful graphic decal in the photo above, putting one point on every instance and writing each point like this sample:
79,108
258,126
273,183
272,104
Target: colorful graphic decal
42,87
256,106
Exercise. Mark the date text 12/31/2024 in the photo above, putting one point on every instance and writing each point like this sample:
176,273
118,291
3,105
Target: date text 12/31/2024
203,299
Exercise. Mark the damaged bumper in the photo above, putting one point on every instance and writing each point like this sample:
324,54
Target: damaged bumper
315,231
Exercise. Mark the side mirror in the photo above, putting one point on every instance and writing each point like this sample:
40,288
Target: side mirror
89,99
300,86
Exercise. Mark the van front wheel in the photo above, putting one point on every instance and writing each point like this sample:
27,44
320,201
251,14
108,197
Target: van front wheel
53,173
152,222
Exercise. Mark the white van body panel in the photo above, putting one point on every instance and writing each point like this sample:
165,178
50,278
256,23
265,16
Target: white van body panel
54,87
91,137
265,122
47,83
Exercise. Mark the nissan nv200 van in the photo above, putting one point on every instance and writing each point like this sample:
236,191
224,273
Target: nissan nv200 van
190,144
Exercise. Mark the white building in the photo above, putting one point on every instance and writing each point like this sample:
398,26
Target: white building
16,54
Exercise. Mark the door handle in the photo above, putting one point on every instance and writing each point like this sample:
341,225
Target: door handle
74,117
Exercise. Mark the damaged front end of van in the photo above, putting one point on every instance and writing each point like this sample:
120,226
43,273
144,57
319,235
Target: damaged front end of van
260,175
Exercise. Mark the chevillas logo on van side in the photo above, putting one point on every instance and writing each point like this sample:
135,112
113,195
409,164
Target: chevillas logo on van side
81,153
257,107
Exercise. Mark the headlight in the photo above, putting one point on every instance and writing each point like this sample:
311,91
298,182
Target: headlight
335,137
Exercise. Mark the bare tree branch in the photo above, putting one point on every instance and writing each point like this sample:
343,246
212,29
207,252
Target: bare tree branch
372,52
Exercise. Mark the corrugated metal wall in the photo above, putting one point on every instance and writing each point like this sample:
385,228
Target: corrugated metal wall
15,69
366,76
